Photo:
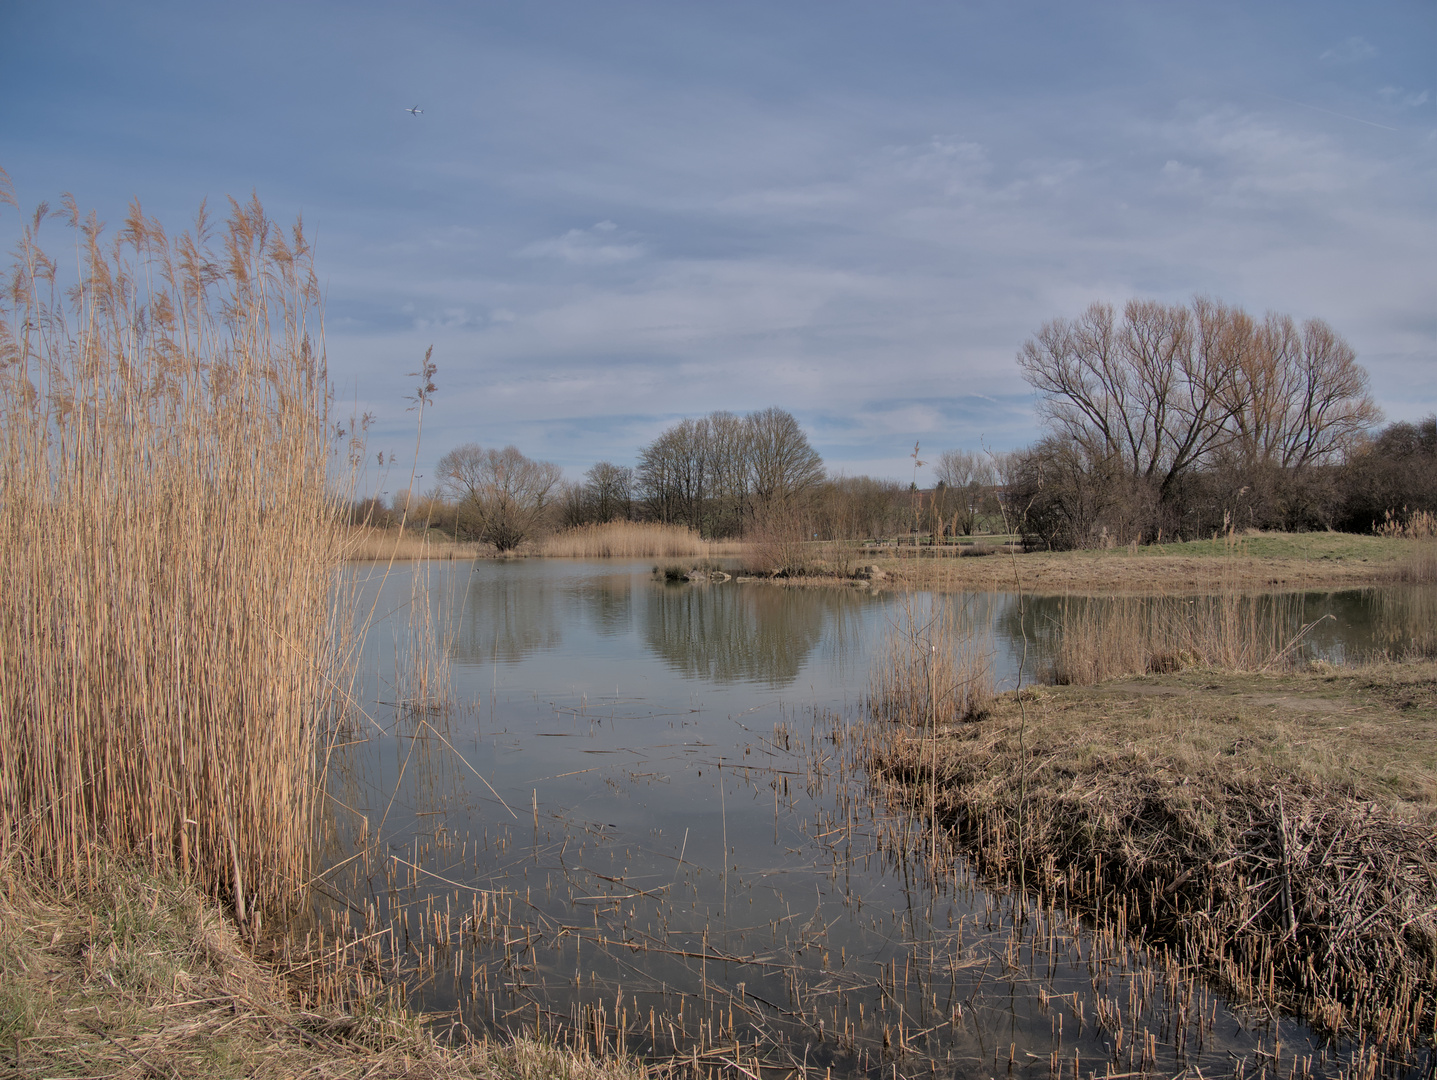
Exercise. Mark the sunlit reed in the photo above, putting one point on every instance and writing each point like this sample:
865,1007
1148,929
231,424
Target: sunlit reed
169,535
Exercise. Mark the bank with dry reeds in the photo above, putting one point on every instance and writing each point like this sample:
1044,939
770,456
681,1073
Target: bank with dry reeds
633,540
369,544
140,975
1277,831
1261,562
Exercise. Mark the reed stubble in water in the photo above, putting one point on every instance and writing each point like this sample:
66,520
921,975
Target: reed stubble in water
168,533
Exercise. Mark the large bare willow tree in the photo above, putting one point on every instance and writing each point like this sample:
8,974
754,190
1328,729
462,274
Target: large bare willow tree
1166,390
506,492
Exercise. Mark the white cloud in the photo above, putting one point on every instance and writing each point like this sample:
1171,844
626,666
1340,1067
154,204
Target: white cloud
1353,50
587,247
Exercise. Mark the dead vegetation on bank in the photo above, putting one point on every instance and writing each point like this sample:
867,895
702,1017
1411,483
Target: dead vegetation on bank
142,977
370,544
633,540
1275,831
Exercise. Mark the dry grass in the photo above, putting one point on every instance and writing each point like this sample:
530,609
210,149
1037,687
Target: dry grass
633,540
168,534
366,544
930,670
1413,525
1101,639
1277,562
1275,830
142,976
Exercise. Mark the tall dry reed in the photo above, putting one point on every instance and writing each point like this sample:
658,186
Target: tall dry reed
931,670
168,535
632,540
1100,639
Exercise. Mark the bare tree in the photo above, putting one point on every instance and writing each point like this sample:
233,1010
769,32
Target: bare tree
783,466
1304,396
609,491
505,491
967,481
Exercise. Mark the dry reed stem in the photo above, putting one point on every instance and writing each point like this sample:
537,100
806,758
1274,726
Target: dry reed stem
168,531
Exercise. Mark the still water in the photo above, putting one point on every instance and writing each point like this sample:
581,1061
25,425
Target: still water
634,814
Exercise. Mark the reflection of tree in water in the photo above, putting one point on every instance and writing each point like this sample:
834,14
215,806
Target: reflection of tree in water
608,602
507,616
731,633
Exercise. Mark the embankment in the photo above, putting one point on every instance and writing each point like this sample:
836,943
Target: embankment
1275,831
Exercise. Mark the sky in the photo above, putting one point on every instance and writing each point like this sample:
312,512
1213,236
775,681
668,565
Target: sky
609,216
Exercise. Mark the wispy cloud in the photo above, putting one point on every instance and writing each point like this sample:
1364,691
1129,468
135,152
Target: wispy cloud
594,246
1353,50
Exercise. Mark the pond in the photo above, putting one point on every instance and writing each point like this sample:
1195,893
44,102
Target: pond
633,814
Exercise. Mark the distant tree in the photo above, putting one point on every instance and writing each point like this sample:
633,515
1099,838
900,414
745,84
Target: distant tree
967,481
785,469
506,493
1201,402
1395,473
720,473
610,491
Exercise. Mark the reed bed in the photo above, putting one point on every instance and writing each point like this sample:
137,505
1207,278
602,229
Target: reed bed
633,540
1104,638
369,544
168,534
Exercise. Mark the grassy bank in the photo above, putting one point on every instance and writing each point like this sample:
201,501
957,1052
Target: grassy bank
1276,830
1276,561
143,976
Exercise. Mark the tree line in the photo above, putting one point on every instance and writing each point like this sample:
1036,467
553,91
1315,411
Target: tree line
1173,421
1161,421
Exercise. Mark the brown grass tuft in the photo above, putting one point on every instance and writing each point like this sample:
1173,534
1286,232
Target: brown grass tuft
930,670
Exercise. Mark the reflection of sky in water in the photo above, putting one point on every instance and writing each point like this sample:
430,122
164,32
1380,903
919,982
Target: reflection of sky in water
641,769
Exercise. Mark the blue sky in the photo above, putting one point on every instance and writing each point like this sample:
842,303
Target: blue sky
611,215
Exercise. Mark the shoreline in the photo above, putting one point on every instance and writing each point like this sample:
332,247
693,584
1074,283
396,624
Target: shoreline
1277,831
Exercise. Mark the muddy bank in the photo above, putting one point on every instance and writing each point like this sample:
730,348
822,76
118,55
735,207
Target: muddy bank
1275,831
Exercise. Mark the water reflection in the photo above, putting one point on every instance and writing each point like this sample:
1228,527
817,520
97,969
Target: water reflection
726,635
657,829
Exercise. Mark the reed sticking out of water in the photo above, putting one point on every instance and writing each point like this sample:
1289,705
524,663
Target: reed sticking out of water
168,533
632,540
930,672
1101,639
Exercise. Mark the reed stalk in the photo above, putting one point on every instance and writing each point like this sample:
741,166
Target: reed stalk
168,534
